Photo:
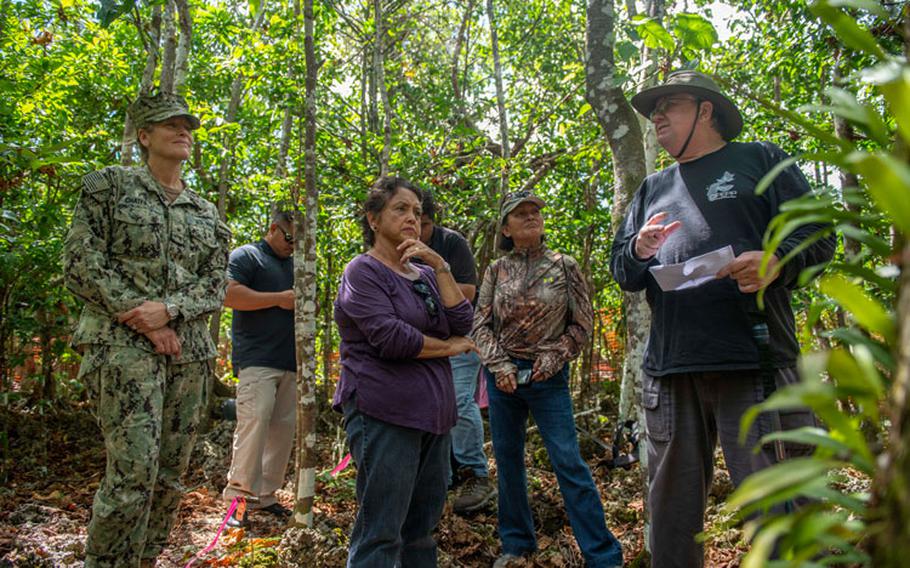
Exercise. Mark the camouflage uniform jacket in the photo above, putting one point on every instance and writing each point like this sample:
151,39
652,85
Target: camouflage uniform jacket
533,305
127,244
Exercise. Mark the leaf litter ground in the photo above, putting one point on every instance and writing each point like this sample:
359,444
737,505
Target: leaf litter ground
53,462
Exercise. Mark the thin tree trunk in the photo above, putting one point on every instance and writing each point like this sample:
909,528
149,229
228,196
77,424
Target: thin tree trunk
169,56
891,546
305,227
379,70
184,44
500,102
623,133
145,83
844,130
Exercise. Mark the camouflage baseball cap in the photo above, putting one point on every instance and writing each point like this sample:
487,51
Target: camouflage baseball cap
515,199
149,109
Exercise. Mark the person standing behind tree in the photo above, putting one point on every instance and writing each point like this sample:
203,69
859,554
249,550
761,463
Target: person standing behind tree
711,354
147,256
476,491
261,293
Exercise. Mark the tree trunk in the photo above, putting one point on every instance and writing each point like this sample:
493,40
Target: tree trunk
379,70
145,83
891,545
184,44
844,130
623,133
169,56
500,102
305,290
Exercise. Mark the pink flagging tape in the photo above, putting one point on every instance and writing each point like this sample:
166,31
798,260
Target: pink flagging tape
341,465
212,544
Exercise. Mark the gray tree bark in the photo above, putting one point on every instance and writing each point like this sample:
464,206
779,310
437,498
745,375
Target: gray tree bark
152,39
623,134
379,72
500,101
305,227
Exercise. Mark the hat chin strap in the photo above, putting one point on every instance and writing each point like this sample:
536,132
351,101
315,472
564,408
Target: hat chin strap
691,131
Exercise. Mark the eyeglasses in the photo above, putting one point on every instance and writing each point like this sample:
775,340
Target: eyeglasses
664,105
423,290
288,238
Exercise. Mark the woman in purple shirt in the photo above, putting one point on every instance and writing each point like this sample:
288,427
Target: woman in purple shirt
399,323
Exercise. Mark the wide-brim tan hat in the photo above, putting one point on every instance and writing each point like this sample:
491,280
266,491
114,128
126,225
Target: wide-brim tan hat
698,85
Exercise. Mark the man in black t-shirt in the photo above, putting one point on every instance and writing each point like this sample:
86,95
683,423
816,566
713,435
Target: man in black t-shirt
261,292
706,361
467,436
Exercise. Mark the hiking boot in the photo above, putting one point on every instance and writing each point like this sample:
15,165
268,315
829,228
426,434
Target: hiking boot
474,494
506,560
236,522
278,510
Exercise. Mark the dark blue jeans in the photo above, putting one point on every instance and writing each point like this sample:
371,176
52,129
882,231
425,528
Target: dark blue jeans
401,490
551,406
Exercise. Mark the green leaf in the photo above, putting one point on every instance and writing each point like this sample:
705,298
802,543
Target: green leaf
848,30
870,6
694,31
772,174
779,477
654,34
852,336
110,10
888,182
626,50
867,311
893,79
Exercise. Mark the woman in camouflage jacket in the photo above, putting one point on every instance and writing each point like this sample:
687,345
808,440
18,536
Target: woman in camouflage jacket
533,316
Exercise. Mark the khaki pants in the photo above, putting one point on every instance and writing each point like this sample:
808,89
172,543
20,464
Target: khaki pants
266,405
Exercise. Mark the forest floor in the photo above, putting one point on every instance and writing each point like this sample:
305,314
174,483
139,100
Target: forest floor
52,462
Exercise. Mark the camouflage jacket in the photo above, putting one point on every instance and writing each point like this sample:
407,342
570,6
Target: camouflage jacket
127,244
532,305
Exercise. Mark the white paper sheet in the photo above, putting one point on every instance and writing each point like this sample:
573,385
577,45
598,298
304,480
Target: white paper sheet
693,272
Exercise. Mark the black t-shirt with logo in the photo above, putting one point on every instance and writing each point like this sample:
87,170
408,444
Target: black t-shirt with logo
710,327
262,338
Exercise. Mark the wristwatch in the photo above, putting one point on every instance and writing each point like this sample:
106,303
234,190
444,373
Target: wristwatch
172,311
444,268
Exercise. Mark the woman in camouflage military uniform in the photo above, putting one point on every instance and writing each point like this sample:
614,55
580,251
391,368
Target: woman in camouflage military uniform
148,257
533,316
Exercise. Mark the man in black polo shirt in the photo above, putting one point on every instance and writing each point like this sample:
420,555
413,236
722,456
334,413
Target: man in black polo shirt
261,292
467,435
711,353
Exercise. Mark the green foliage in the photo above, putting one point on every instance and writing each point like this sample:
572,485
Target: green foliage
845,385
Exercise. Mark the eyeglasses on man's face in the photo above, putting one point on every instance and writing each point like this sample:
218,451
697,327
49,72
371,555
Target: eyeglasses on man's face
288,237
667,104
423,290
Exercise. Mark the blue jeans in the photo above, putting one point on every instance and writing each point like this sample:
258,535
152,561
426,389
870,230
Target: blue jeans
551,406
401,491
467,435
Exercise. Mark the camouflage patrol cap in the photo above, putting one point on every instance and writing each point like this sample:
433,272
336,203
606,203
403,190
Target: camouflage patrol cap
149,109
515,199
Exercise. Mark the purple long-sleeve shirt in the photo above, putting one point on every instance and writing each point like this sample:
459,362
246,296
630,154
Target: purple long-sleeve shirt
382,321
